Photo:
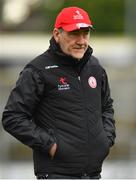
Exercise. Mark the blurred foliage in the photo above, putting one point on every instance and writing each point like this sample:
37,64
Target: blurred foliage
107,16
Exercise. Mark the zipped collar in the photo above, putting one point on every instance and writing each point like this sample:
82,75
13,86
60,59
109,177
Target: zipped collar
67,59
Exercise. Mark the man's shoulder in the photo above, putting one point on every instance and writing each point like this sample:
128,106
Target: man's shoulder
41,61
94,61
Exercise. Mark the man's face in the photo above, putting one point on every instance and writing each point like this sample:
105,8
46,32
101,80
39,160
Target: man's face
74,43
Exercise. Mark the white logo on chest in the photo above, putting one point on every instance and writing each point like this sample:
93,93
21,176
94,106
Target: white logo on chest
51,67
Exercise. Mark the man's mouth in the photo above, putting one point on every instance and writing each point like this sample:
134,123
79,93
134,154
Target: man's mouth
82,48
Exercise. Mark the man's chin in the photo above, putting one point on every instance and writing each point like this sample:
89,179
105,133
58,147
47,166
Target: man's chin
78,55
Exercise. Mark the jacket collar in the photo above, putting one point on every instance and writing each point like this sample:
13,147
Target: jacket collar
67,59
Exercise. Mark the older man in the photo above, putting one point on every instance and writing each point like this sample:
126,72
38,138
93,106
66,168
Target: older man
61,105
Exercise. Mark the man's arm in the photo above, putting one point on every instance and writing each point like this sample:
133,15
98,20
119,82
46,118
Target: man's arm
18,114
107,110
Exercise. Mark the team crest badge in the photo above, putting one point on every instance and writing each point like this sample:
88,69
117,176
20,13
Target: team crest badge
92,82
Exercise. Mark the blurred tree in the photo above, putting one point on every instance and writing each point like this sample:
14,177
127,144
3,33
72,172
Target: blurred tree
50,9
1,6
130,24
108,16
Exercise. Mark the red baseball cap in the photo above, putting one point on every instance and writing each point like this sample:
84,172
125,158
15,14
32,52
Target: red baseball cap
73,18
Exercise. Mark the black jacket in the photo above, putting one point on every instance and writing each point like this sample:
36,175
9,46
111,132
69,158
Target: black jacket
58,99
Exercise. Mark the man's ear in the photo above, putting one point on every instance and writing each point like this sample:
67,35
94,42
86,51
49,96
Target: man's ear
56,34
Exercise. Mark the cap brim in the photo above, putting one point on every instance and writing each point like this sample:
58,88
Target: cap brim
77,26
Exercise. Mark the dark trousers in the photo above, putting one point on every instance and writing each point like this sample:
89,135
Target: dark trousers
62,176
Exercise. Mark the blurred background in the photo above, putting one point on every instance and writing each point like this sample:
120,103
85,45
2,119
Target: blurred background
25,30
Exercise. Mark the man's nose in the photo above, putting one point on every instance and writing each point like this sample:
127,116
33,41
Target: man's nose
81,39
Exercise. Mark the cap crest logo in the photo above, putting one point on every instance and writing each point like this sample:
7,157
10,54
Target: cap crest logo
82,25
78,15
92,82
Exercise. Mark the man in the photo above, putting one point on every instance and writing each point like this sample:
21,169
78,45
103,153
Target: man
61,105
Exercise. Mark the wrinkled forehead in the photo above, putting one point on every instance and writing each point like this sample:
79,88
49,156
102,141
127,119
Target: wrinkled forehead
77,31
87,29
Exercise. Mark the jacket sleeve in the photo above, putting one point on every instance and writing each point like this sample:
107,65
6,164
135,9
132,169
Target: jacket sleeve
107,110
18,114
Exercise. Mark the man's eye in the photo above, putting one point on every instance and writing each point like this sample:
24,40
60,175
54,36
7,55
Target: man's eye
74,33
86,32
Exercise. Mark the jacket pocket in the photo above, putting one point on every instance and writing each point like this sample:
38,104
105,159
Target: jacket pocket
51,132
66,151
62,151
100,148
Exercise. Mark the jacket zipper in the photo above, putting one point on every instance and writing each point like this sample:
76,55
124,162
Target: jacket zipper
87,125
79,79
